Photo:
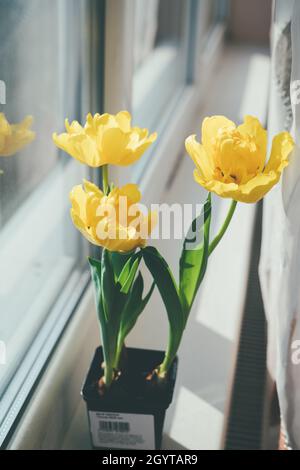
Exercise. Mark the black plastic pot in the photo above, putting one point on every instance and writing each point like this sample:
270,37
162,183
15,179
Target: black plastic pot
131,414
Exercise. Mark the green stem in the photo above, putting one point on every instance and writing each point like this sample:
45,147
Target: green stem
120,346
106,330
173,346
225,225
165,365
105,184
108,375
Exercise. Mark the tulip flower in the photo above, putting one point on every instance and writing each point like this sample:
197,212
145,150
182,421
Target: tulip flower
111,219
231,161
114,221
105,139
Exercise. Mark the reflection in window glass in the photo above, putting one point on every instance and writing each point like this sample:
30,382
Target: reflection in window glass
214,12
160,57
33,45
165,41
43,52
154,27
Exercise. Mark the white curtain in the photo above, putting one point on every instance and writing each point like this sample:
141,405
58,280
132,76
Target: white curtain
280,257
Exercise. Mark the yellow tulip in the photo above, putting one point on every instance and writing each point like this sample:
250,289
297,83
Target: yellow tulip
105,139
231,161
115,221
13,137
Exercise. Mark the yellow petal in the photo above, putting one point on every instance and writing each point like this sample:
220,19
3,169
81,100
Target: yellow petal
253,128
86,151
83,229
92,188
132,156
210,128
64,142
134,152
113,145
77,221
152,137
80,146
250,192
199,157
131,191
94,123
226,190
257,187
73,128
123,119
140,136
78,198
282,146
125,240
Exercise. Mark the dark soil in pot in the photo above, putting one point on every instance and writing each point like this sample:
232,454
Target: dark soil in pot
131,414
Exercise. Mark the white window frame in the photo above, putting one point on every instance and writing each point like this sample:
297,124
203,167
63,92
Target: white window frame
65,371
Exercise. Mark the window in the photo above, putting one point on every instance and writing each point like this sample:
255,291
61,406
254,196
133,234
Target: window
52,57
169,38
215,11
45,65
161,54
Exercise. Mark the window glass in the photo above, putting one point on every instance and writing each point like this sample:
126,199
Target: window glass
160,56
160,61
44,54
165,47
214,11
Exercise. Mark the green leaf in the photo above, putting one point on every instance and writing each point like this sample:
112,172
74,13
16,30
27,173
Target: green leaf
193,261
95,266
134,306
108,290
118,261
167,287
128,272
96,272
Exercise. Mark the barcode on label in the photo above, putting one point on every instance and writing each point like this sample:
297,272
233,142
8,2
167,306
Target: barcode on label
114,426
122,430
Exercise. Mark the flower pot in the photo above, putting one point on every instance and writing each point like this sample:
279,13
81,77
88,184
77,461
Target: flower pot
130,415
